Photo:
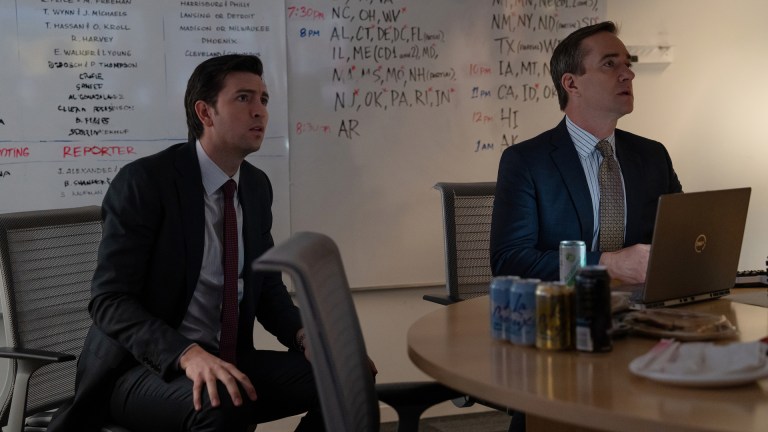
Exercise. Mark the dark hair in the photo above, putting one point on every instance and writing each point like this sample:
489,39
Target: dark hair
568,56
207,81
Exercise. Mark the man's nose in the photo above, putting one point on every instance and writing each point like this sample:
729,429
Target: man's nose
259,109
627,74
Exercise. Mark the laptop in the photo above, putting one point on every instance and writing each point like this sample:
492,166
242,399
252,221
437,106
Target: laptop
695,250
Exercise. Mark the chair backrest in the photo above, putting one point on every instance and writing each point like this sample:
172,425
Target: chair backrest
467,209
337,350
47,260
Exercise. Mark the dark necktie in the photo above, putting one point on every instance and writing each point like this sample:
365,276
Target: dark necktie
611,200
228,337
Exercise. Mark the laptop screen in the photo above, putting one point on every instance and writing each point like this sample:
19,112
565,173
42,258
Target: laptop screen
696,244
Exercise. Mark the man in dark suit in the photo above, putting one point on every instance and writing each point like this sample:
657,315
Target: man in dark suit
548,189
154,358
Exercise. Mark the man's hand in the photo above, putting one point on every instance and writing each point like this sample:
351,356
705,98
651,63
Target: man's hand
372,365
628,265
303,343
204,368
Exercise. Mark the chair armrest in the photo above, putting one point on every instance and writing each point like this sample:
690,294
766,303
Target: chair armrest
37,355
443,300
27,361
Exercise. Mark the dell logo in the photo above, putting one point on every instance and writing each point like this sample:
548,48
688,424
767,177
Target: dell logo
700,243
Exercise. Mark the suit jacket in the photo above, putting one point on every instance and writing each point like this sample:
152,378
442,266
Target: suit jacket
149,261
542,198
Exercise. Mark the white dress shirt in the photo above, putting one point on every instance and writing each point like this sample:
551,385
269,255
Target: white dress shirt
202,323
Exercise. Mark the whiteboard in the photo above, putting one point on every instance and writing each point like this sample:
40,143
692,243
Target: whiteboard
99,83
388,98
372,103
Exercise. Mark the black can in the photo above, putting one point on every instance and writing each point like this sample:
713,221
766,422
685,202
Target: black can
593,309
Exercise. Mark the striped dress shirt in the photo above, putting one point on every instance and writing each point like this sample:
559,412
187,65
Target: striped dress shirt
590,158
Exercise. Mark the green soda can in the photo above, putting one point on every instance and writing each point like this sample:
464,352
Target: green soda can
573,256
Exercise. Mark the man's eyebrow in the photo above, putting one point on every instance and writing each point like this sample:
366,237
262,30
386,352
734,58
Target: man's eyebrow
615,55
251,91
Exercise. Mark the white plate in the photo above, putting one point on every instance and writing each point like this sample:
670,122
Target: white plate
709,380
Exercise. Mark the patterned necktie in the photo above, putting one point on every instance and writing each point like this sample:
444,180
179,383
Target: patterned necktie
611,200
228,337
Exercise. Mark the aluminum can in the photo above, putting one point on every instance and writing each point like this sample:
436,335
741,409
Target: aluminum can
573,256
520,328
499,300
554,316
592,295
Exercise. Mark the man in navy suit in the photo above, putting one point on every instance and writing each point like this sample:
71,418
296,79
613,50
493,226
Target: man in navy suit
547,188
152,360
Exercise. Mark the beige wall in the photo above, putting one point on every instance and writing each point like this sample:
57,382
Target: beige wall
708,106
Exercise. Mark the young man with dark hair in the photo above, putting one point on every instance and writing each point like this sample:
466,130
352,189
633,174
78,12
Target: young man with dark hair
173,301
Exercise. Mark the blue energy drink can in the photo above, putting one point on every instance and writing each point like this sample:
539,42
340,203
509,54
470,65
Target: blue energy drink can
520,328
499,300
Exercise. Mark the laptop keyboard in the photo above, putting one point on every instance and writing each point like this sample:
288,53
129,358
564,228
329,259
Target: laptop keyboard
634,292
751,278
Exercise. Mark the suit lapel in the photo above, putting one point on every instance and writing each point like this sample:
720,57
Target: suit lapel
248,194
566,159
251,217
189,185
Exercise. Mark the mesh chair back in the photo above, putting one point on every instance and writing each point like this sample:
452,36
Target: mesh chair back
339,359
47,260
467,209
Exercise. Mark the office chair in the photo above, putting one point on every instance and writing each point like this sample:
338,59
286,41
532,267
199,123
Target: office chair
467,212
345,384
467,209
47,260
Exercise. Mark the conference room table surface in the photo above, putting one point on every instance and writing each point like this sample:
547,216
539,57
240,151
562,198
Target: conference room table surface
592,391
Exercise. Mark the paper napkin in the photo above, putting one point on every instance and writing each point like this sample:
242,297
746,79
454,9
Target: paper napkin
703,358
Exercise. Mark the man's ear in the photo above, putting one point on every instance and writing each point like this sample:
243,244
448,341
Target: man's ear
203,112
568,81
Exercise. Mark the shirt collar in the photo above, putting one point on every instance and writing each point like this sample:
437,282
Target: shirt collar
584,141
213,176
